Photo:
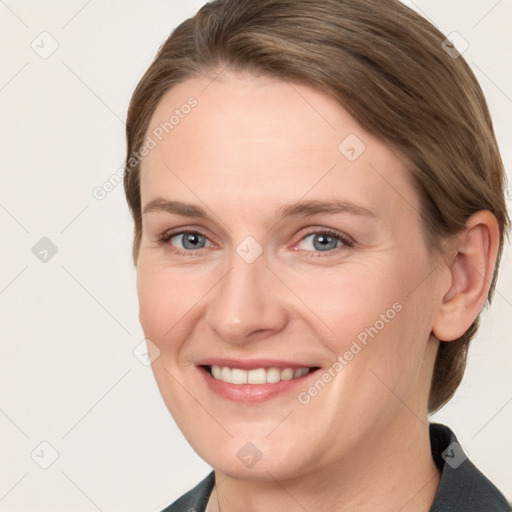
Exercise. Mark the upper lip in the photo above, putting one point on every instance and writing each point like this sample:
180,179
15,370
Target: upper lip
252,364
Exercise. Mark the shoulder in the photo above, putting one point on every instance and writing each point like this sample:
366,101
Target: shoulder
462,487
196,499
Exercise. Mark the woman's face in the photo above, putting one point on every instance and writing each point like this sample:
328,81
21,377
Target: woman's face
303,250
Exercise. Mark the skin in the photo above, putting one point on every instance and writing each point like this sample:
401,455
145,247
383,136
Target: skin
252,145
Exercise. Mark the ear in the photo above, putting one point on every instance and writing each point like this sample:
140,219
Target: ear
471,267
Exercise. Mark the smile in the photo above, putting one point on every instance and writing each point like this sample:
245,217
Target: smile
257,375
255,380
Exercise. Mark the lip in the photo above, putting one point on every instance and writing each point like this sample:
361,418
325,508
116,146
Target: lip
251,393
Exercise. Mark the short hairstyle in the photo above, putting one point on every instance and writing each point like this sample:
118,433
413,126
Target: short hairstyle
390,69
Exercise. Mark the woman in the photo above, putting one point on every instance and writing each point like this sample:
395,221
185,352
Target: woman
319,217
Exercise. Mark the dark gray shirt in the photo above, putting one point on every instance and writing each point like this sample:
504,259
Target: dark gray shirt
462,487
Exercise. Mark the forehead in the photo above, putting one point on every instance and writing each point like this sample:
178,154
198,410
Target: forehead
260,141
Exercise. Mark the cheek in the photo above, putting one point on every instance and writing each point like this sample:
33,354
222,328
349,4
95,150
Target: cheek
165,297
373,319
350,298
394,318
166,314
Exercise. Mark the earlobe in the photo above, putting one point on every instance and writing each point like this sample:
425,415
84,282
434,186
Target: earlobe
471,270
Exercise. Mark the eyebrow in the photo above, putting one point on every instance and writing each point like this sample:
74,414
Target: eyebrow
297,209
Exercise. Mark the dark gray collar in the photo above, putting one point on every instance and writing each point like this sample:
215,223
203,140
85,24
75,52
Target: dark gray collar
462,487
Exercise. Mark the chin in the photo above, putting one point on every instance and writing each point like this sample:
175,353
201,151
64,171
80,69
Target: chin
243,459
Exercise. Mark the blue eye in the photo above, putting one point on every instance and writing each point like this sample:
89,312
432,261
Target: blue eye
325,241
186,240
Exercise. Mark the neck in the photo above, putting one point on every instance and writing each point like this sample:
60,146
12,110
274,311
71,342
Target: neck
387,473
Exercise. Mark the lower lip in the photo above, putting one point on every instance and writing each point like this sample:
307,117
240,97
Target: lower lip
250,393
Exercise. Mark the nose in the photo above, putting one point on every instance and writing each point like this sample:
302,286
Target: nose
248,303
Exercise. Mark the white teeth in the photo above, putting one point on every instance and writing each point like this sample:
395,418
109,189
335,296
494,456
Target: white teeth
256,376
238,376
225,374
217,372
287,374
273,375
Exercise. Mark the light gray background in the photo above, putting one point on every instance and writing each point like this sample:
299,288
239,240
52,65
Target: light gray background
69,326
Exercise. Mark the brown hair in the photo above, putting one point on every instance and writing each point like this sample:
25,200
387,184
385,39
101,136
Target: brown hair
389,68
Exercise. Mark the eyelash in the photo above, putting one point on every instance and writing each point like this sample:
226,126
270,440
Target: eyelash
346,241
